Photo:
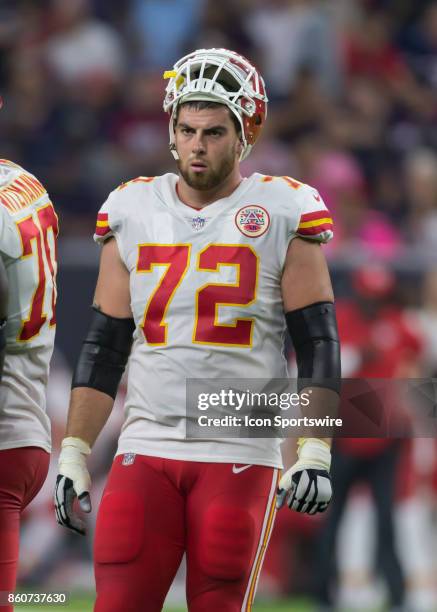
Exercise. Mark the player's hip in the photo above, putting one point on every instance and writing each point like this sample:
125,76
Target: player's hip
22,473
173,445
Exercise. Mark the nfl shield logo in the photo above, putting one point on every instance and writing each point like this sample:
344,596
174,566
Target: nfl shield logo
128,459
198,223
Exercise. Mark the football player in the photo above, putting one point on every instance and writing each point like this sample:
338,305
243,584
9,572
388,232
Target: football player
28,231
196,272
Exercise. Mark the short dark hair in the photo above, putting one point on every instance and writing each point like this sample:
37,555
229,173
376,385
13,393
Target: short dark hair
204,104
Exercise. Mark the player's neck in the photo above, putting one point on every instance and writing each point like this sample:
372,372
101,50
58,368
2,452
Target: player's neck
200,199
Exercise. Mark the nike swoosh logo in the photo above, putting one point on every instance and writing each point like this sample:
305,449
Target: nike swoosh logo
316,197
237,470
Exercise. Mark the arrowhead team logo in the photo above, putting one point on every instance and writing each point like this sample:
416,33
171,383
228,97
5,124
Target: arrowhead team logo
252,221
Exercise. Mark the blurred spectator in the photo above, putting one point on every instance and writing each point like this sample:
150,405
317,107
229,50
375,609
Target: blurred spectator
139,128
223,26
164,30
360,123
27,115
306,109
358,227
378,338
419,43
273,157
377,341
389,194
345,13
291,35
421,191
370,51
427,315
81,49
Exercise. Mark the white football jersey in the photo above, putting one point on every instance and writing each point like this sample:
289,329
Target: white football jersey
28,231
206,299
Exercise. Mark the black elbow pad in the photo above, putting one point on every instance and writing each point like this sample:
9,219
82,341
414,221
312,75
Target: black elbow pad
314,334
104,353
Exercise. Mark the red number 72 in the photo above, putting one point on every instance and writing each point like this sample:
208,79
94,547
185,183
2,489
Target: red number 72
208,299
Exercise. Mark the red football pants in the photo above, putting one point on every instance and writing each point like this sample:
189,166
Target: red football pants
22,474
155,509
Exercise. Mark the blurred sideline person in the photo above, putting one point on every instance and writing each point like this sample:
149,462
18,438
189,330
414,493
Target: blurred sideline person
199,268
28,230
378,341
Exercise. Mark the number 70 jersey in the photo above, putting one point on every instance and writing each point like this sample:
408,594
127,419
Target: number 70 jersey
28,233
205,290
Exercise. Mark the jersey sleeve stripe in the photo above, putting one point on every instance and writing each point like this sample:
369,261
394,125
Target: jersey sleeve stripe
102,231
317,229
102,223
313,216
102,216
305,224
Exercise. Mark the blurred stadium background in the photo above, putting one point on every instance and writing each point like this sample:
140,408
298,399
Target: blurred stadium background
353,112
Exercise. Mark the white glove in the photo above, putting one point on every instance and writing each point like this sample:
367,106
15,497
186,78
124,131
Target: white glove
306,486
73,481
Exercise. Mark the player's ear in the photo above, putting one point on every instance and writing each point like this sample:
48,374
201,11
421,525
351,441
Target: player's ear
239,147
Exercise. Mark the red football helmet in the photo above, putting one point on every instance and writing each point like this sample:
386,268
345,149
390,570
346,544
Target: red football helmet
374,281
223,76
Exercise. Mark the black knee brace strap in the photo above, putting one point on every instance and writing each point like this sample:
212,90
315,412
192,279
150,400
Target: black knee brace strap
313,331
104,353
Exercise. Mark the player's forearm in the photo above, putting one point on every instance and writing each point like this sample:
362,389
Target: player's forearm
88,413
314,334
98,372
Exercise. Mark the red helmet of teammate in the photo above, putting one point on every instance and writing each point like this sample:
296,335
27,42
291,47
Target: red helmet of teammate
223,76
374,281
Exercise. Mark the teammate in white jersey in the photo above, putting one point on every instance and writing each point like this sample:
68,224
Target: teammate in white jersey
196,273
28,233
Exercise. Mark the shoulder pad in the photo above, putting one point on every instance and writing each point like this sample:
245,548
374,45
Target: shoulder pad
139,179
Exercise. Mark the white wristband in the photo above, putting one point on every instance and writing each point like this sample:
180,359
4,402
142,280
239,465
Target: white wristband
76,443
72,463
314,453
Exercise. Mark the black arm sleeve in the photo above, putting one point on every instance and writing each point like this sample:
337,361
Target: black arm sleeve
104,353
314,333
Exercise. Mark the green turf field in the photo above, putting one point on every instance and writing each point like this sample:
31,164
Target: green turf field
84,603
